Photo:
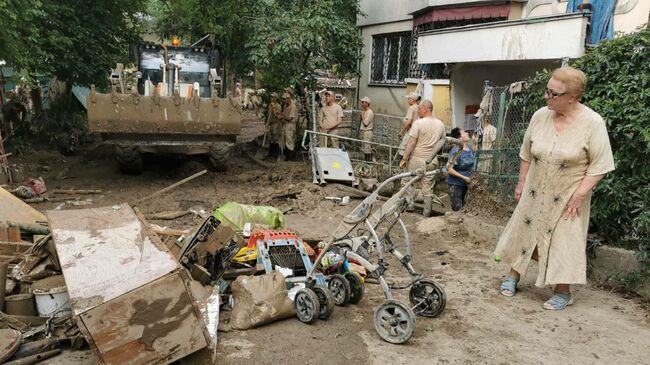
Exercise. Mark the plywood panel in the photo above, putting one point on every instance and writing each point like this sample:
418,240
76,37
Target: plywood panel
154,324
106,252
14,209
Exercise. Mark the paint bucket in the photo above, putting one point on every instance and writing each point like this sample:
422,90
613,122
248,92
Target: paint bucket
52,297
20,304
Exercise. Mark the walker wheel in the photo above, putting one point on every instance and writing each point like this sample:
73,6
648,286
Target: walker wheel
340,288
307,305
427,298
326,301
394,322
356,286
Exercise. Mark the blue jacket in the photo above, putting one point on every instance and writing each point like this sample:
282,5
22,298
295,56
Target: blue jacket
463,163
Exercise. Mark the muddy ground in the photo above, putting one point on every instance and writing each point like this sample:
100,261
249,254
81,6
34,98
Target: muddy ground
478,326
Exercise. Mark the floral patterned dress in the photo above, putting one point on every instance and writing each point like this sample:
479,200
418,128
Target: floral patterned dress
558,163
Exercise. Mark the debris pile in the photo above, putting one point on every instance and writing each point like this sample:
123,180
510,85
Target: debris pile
35,315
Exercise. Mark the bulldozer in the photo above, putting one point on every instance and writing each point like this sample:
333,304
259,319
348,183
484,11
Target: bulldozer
173,108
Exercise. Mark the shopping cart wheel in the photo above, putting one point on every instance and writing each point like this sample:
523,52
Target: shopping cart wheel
326,301
394,321
427,298
307,305
340,289
356,286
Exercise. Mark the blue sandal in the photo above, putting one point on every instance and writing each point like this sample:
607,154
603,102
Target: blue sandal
558,301
510,284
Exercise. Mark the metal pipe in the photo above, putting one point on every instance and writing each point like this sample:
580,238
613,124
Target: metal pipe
378,245
3,282
407,238
35,358
385,288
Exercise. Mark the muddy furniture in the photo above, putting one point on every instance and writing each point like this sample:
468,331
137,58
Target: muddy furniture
128,294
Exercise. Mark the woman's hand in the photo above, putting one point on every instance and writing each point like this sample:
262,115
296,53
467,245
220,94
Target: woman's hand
519,189
572,209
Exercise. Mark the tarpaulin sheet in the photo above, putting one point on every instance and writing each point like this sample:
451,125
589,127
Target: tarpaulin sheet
602,18
236,215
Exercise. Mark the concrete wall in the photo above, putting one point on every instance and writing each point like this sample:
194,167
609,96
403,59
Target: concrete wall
383,11
467,81
385,99
638,15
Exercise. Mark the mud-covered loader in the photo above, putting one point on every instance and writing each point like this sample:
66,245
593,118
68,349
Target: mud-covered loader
174,109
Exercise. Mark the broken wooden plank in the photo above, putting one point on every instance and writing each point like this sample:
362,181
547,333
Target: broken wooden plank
13,234
76,191
12,208
11,248
168,215
170,187
12,322
164,231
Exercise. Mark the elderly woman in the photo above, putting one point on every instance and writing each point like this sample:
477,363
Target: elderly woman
565,153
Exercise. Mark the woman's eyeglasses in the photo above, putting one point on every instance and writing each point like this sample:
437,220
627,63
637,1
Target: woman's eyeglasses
552,94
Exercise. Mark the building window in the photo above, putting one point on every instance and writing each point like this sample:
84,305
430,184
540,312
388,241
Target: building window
390,58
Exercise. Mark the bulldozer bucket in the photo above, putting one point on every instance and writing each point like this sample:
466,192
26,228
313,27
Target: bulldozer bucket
168,117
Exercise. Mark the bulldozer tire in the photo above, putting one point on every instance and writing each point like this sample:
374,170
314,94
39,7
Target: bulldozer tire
129,159
218,156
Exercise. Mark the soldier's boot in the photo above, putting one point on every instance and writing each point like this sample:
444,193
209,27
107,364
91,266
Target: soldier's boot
428,206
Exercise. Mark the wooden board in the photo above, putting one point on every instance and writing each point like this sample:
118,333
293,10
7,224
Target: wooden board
13,248
14,209
106,252
154,324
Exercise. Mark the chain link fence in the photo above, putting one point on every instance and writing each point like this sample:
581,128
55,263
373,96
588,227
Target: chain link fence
498,162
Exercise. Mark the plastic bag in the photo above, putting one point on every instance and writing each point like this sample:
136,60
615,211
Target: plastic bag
236,215
259,300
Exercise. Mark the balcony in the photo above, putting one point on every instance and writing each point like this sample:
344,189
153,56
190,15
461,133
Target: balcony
540,38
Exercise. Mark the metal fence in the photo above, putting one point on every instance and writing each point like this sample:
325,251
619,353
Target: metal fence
499,165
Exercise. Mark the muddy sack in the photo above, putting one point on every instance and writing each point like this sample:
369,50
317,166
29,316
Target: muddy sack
259,300
236,215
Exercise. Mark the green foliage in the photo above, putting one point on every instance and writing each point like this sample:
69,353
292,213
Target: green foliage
225,20
77,41
619,90
285,40
291,39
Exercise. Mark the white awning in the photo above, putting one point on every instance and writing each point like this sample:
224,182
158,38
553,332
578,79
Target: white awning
540,38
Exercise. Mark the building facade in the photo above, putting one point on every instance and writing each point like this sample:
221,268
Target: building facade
471,41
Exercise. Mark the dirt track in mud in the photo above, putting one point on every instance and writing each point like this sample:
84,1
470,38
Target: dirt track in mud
478,325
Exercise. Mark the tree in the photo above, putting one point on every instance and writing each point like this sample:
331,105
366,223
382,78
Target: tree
291,39
224,20
285,39
76,41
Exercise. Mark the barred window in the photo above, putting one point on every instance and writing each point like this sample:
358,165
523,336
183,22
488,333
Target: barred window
390,58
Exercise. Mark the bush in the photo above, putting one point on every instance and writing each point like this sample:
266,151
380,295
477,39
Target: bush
619,90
